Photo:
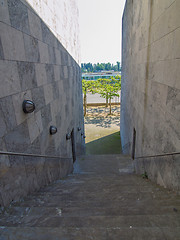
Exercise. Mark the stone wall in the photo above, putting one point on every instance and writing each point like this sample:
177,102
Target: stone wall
150,101
34,65
61,17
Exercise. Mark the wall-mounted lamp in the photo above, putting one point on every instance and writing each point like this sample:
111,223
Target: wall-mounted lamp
84,136
68,136
79,129
52,130
28,106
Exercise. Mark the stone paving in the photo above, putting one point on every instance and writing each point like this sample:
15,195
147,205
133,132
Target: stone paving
103,200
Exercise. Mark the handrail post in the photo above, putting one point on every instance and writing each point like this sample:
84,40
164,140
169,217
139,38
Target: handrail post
134,144
73,145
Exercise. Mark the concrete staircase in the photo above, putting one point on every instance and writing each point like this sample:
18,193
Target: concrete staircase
102,200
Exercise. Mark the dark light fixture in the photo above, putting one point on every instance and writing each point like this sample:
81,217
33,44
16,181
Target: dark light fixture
52,130
28,106
82,134
68,136
79,129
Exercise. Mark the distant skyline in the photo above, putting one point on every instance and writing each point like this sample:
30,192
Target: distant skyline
100,30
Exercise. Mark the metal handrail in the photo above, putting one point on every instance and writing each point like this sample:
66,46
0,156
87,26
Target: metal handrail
30,155
159,155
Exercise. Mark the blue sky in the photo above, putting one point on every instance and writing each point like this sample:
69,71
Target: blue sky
100,30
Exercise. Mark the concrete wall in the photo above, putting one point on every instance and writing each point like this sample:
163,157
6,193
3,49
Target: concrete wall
34,65
150,100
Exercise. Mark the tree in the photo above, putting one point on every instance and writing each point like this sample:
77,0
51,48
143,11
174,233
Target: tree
118,65
88,86
102,85
109,88
89,67
118,77
108,66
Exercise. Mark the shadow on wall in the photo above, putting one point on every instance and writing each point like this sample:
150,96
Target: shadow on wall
110,144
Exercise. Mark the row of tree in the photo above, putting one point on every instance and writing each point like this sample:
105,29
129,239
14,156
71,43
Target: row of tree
107,88
89,67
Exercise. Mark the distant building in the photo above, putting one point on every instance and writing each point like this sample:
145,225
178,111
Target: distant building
97,75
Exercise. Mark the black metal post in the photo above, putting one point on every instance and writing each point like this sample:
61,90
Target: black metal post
134,144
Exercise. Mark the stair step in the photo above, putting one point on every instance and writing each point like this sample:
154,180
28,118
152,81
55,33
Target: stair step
103,199
125,233
59,219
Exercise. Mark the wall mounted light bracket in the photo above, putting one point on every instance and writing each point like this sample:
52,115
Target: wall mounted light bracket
68,136
28,106
52,130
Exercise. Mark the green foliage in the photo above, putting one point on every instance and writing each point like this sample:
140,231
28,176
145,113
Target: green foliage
89,86
109,88
145,175
89,67
118,77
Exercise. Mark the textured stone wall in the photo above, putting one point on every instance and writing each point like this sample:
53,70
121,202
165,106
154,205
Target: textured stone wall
151,87
61,16
34,65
